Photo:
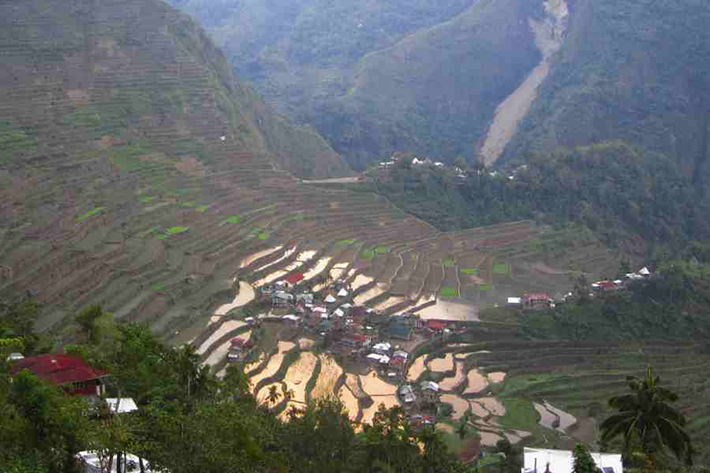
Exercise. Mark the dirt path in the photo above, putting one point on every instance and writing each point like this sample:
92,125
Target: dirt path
548,38
337,180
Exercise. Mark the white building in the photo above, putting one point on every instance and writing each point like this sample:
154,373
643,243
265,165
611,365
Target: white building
90,462
539,460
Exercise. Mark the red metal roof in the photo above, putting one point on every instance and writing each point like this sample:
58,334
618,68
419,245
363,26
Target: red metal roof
58,369
436,325
294,278
537,297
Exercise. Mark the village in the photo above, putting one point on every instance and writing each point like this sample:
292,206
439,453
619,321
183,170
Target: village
365,340
374,348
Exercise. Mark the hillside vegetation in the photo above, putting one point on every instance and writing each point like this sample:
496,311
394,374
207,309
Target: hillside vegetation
132,80
378,77
629,198
375,77
631,70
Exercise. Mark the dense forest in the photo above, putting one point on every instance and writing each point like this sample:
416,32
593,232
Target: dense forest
375,77
626,196
636,71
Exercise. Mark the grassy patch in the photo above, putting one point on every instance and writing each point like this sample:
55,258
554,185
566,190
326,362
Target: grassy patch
485,287
490,460
469,271
263,236
161,237
203,208
448,291
519,414
449,262
231,220
177,230
189,204
502,269
147,199
383,249
90,213
367,254
346,242
158,287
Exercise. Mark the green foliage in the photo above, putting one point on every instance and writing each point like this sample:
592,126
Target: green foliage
191,421
674,304
232,220
659,51
583,461
367,254
447,291
176,230
449,262
90,213
17,319
468,271
368,91
646,415
605,188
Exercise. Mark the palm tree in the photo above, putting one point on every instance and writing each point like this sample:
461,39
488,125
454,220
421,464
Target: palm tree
273,395
645,415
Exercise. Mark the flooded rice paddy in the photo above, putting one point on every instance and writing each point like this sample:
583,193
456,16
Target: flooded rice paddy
477,382
246,295
225,328
442,364
448,310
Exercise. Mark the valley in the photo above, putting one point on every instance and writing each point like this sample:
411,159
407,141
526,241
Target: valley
235,253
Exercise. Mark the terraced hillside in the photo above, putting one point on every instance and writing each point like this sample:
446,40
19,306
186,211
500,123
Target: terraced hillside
580,377
377,77
106,83
134,177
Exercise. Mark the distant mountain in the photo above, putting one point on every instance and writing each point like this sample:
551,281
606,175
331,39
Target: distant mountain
375,77
636,71
86,81
478,77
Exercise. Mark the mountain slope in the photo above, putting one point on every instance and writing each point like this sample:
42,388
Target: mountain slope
86,76
375,77
636,71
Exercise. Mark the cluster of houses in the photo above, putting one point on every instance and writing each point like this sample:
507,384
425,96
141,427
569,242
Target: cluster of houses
355,332
541,301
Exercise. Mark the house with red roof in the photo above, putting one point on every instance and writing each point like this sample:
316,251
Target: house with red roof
70,373
537,301
436,325
295,278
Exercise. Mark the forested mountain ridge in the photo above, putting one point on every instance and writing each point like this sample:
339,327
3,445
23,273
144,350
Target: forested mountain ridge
636,71
86,78
631,199
375,79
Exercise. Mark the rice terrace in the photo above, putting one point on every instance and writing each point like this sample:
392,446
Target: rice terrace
152,183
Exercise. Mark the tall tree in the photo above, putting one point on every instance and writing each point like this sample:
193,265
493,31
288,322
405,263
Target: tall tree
646,414
583,461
